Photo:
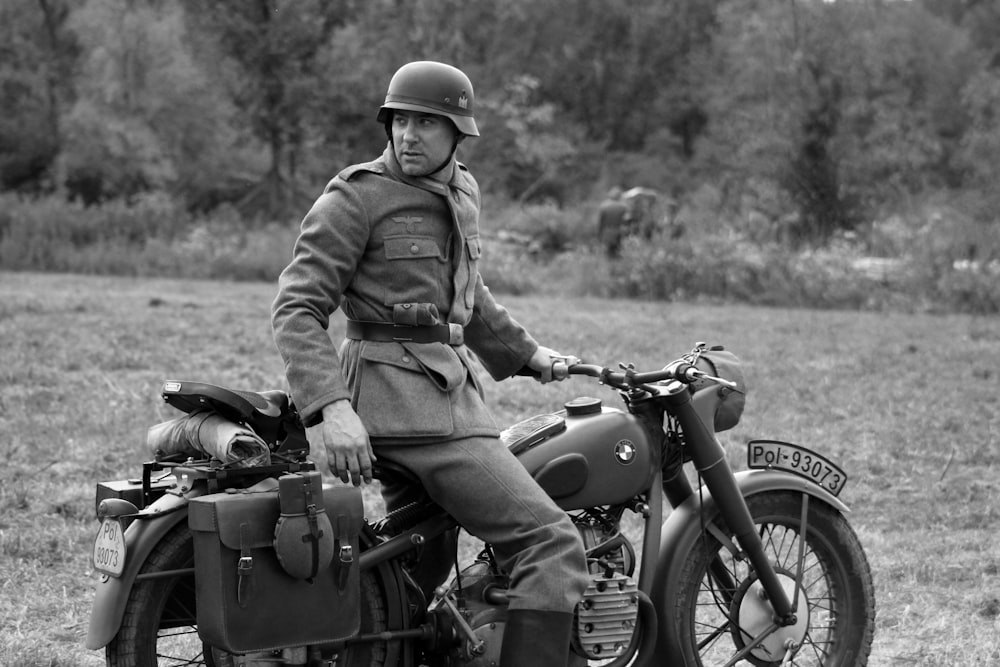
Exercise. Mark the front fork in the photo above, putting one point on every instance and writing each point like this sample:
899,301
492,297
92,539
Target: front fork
709,458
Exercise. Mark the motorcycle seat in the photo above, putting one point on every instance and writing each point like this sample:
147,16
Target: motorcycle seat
269,413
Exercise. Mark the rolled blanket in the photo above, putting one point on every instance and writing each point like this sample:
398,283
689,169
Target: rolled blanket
208,433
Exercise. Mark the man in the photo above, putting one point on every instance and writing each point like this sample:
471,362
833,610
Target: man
612,222
395,243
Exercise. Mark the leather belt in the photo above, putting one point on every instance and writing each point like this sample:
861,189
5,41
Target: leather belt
386,332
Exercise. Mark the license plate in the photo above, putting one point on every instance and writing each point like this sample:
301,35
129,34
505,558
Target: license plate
774,455
109,548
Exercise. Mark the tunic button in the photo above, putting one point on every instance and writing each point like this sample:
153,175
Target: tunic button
414,249
406,359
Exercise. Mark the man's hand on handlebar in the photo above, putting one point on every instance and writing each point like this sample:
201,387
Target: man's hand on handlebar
550,365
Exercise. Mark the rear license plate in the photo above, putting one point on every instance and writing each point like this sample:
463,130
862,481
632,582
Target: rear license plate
774,455
109,548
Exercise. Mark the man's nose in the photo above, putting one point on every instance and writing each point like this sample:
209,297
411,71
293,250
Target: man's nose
410,131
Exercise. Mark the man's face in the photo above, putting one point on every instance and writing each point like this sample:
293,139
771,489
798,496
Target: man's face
422,141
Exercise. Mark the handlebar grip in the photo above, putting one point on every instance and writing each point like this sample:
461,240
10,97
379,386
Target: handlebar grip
560,371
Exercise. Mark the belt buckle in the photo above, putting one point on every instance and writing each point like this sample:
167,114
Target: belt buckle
456,334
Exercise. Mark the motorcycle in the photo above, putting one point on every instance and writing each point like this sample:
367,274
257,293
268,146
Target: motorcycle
757,567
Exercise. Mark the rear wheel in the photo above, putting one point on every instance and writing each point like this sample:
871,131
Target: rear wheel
159,627
721,607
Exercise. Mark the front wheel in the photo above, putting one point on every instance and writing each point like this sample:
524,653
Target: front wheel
720,607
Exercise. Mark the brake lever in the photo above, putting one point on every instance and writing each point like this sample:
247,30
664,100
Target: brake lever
729,384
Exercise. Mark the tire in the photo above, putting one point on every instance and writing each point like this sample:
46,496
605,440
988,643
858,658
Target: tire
839,599
158,627
159,624
373,619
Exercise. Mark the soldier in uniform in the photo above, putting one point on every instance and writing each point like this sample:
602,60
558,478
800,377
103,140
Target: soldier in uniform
612,222
395,243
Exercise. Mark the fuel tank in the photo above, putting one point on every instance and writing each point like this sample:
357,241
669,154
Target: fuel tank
585,455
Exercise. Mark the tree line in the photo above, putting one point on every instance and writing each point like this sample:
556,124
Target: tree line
821,113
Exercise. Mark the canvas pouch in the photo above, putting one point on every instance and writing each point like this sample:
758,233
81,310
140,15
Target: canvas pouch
246,600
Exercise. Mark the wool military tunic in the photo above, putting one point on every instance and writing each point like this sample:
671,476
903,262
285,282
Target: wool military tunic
391,248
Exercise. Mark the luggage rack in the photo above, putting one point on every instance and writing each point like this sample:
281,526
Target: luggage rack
221,477
153,485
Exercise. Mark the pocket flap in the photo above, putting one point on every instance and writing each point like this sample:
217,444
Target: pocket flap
224,513
440,362
412,247
393,354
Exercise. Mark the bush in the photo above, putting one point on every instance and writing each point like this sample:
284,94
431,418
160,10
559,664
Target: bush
932,258
51,234
149,236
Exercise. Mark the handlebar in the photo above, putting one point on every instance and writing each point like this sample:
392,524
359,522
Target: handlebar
681,370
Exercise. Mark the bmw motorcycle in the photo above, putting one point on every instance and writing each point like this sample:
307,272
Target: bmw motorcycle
691,564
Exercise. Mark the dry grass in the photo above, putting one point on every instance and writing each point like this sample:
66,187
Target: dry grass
908,404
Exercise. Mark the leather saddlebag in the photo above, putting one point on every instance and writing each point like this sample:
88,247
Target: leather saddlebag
246,600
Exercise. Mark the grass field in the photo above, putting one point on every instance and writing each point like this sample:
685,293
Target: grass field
908,404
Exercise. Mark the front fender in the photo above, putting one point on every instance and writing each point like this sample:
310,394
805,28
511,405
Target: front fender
684,526
140,538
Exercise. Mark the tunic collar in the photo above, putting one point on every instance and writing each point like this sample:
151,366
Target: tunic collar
450,176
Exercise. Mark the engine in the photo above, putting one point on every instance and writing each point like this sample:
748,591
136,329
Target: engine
608,614
606,618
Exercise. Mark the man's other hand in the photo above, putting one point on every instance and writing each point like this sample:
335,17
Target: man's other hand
343,439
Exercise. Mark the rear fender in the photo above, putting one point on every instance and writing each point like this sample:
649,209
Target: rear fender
684,526
140,538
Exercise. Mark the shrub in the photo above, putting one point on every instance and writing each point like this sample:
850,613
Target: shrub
51,234
932,258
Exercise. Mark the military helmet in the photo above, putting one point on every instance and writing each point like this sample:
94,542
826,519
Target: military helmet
432,87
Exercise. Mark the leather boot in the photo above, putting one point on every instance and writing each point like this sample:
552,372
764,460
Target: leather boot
533,638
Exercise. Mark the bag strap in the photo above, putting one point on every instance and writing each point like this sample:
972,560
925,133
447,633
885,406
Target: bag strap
314,530
244,568
345,552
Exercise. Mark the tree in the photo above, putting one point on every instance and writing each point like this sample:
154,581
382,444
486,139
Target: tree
36,51
845,105
145,117
272,70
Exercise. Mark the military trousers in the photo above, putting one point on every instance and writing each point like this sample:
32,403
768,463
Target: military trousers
487,490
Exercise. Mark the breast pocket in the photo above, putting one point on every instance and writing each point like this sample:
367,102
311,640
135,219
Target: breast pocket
415,269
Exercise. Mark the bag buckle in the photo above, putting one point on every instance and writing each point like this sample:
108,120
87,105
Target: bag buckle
346,554
244,566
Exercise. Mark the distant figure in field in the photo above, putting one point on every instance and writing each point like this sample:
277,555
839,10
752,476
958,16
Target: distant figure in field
642,206
613,220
